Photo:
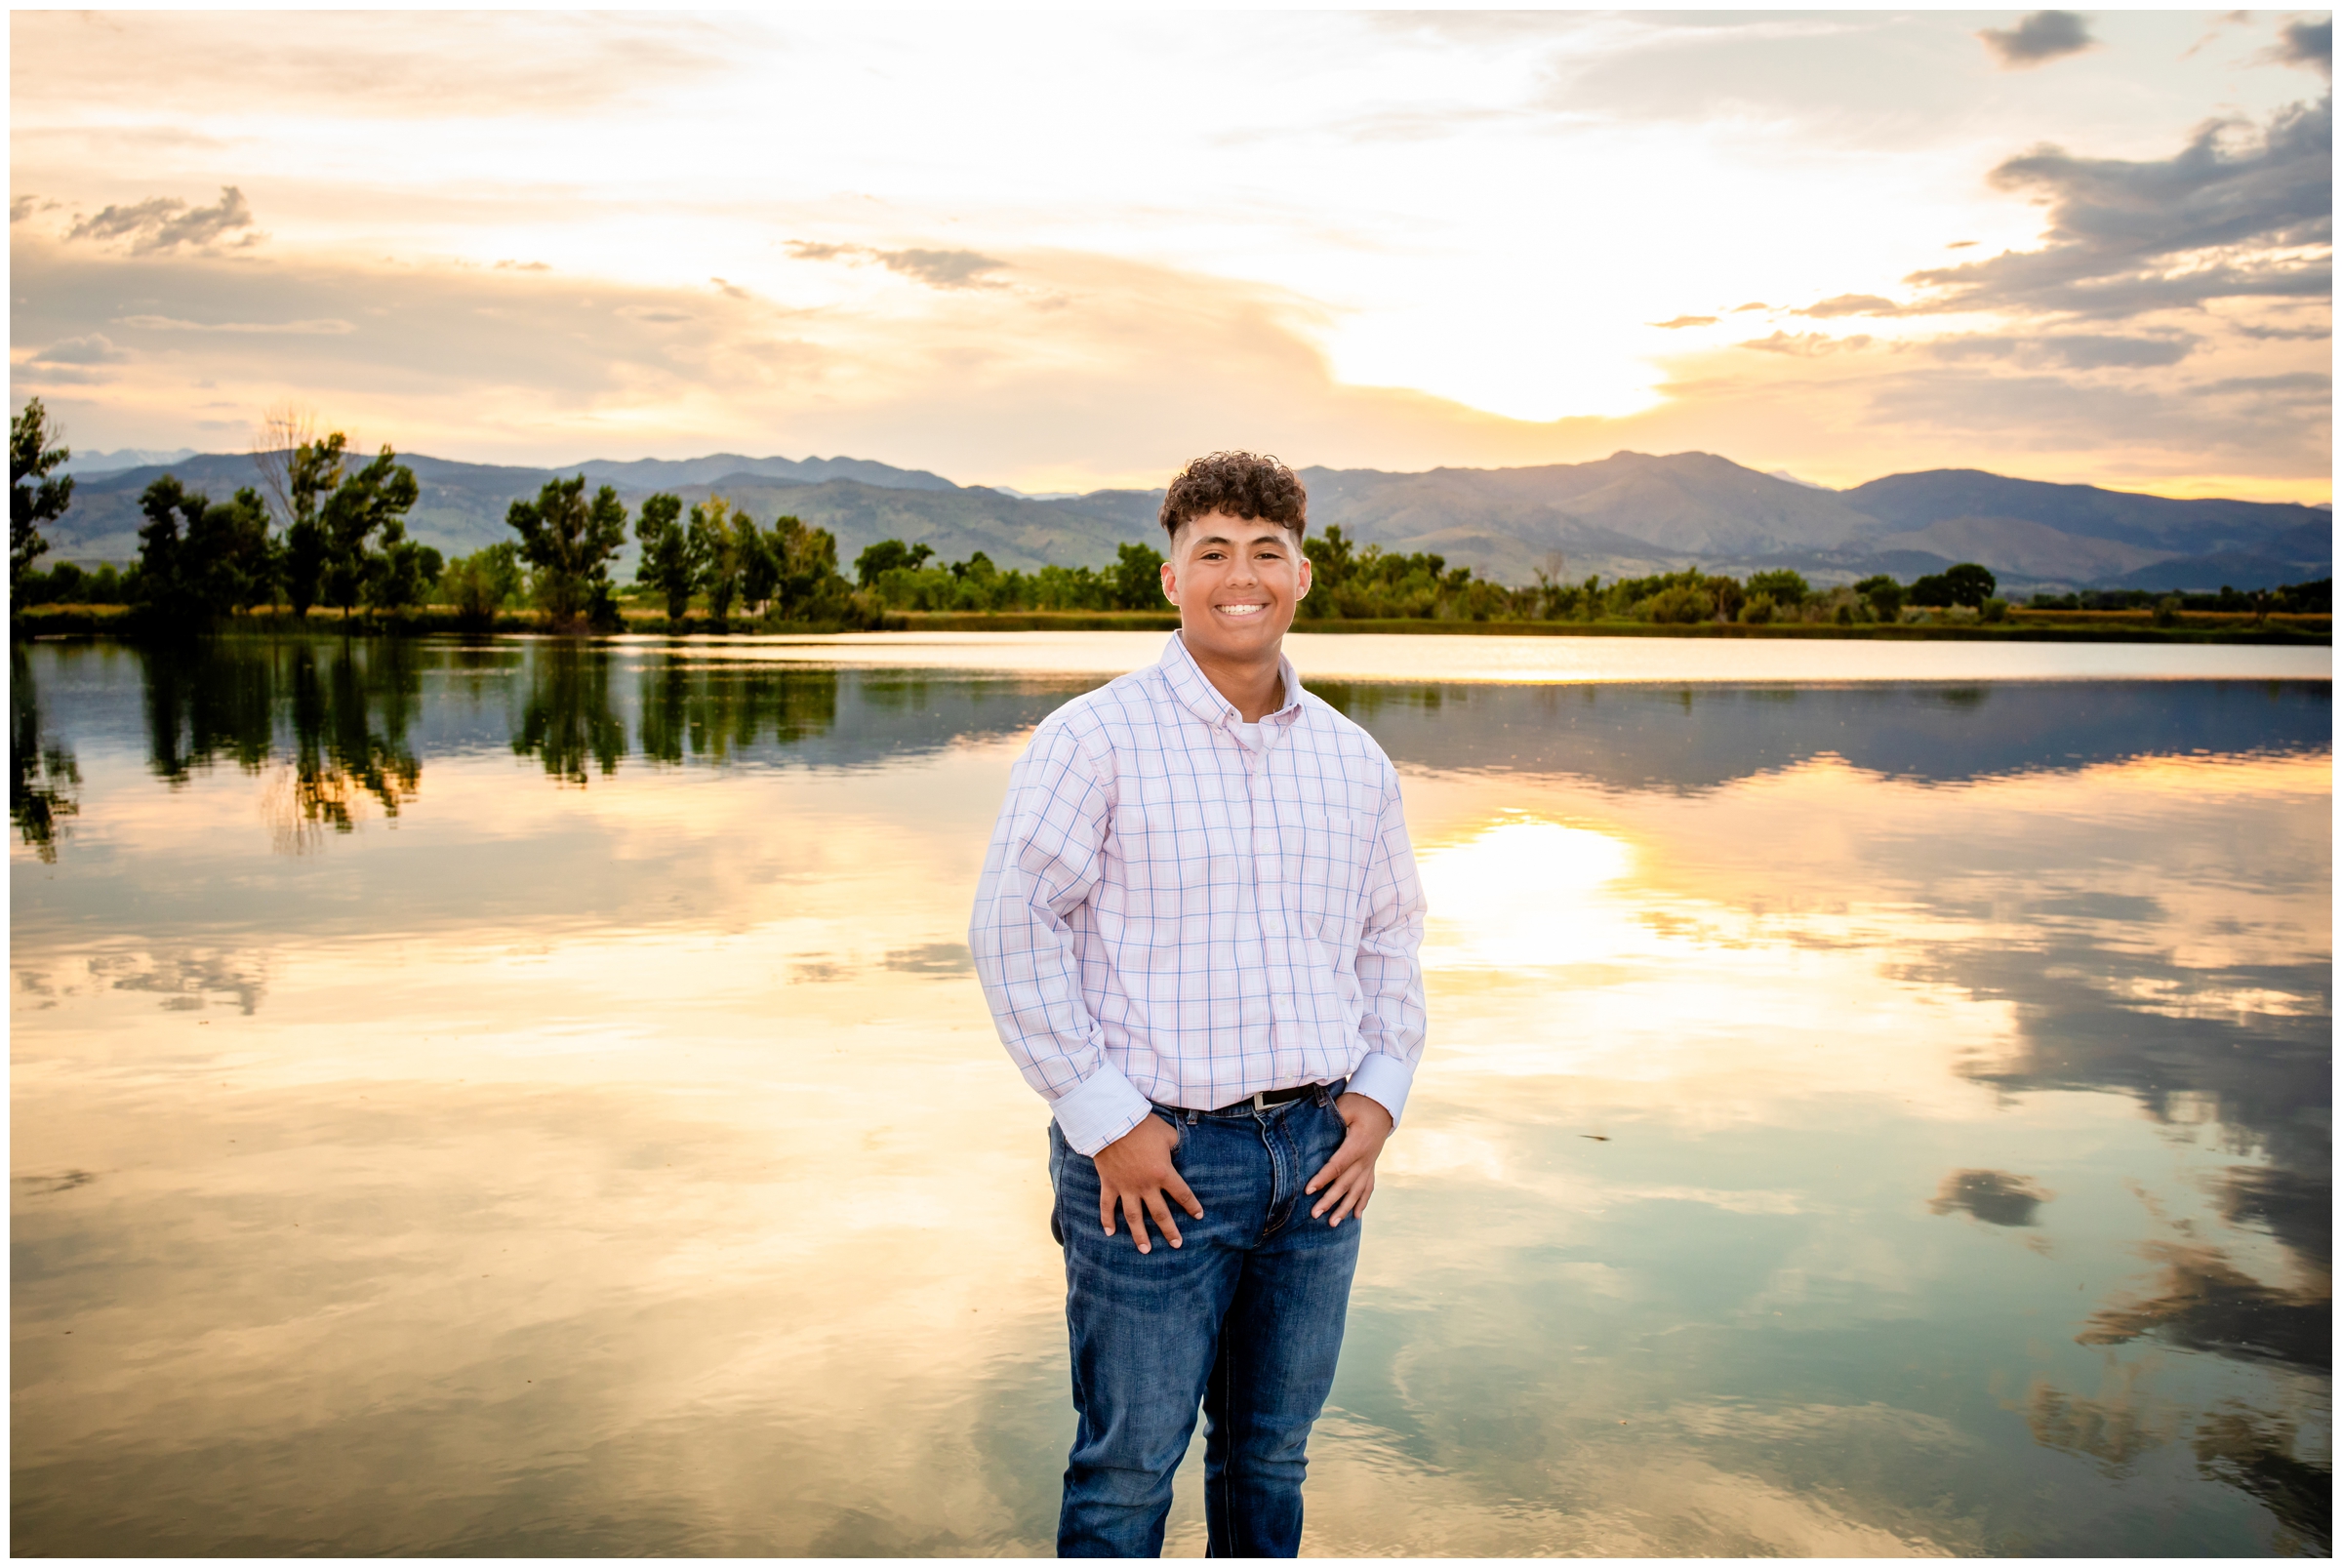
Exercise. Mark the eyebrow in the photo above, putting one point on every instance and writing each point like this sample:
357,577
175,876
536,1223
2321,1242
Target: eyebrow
1274,537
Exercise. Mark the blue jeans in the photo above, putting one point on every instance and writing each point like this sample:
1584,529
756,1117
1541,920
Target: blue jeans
1244,1319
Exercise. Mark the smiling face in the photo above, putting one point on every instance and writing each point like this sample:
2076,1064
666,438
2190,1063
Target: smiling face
1237,581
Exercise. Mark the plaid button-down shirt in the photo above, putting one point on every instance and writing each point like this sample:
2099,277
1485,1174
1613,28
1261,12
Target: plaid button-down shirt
1168,914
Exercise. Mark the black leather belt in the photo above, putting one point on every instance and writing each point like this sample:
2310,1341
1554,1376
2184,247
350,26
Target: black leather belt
1270,1096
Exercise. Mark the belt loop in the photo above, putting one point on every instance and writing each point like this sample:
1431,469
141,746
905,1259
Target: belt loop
1191,1115
1325,1094
1260,1100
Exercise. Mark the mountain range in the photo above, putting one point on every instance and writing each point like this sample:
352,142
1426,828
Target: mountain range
1628,514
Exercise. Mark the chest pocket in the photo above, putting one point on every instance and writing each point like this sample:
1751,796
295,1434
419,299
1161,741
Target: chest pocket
1334,849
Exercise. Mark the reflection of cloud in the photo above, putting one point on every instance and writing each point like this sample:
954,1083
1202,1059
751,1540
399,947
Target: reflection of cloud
2041,37
1994,1197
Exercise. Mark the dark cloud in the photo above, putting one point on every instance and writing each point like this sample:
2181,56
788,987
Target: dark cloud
1994,1197
2301,384
2040,38
2126,239
938,270
2261,334
1686,321
2307,43
95,349
2071,350
167,224
942,269
1850,304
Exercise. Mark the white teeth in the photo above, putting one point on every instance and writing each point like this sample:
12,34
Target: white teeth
1241,609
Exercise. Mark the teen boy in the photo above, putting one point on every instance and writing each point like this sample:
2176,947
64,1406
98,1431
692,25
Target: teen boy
1197,930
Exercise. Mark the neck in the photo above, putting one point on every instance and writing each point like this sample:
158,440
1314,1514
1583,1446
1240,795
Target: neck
1255,686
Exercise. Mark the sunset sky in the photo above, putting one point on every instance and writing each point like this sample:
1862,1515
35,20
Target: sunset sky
1071,250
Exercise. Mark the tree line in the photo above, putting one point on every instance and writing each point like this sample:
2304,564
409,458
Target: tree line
330,533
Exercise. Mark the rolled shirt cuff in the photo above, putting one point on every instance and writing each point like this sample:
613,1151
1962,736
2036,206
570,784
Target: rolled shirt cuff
1102,1108
1383,1080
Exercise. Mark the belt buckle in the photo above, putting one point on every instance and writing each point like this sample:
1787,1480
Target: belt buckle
1260,1099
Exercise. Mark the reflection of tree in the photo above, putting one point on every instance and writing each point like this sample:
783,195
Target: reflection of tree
2114,1430
713,711
2203,1302
568,718
349,707
349,735
2254,1451
42,774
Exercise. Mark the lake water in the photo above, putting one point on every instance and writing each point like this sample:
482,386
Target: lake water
529,1099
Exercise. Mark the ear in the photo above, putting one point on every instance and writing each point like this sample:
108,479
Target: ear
1171,581
1303,591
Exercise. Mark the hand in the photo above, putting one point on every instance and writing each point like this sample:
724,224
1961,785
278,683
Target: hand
1135,1172
1348,1178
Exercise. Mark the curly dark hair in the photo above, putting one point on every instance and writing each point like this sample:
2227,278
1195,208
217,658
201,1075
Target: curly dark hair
1236,484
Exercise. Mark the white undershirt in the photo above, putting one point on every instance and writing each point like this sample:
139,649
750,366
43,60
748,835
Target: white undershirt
1250,735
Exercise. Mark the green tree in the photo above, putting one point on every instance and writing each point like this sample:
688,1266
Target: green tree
888,556
809,588
43,500
568,541
197,560
311,473
481,584
666,563
1885,593
1966,584
1138,577
1784,586
364,523
716,552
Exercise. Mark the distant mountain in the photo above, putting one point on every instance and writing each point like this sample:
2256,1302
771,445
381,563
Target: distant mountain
95,462
1628,514
656,473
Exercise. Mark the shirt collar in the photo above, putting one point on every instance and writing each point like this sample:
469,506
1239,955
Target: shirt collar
1199,696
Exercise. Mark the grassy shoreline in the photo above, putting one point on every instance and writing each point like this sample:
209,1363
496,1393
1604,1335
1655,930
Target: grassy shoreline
2022,626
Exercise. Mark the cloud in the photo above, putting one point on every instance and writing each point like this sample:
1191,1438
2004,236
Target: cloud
1807,344
1686,321
1851,304
165,223
2038,39
94,349
732,291
320,328
1752,304
2073,350
2225,217
523,266
2307,43
2296,386
938,270
657,315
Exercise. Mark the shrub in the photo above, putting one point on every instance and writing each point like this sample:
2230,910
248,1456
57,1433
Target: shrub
1757,608
1996,610
1783,587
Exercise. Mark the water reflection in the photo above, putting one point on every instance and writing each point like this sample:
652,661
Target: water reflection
42,774
1862,1120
